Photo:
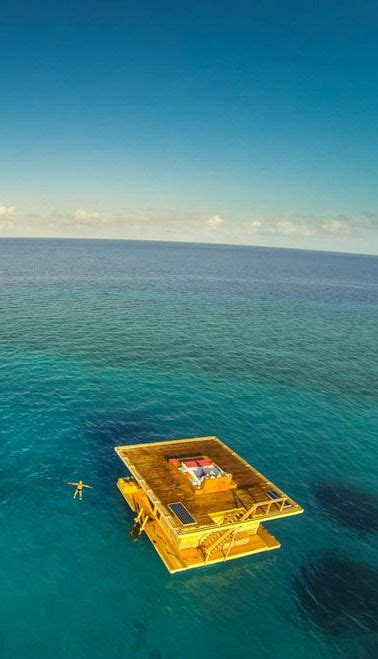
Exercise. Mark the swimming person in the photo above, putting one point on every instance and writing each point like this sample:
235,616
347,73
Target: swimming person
79,489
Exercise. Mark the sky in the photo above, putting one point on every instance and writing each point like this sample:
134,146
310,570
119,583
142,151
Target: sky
247,122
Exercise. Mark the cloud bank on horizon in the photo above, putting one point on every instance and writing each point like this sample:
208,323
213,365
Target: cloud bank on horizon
308,231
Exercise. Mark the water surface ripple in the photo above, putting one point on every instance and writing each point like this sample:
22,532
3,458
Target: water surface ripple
275,351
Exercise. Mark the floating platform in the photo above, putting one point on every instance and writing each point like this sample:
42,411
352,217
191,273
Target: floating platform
199,502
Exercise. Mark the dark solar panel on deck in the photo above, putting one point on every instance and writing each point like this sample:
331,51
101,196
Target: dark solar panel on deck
273,494
181,513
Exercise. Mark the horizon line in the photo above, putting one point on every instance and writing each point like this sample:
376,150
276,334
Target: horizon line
185,242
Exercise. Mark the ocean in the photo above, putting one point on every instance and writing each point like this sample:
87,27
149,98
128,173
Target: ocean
275,352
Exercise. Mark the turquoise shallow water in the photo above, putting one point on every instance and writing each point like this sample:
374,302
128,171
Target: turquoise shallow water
274,351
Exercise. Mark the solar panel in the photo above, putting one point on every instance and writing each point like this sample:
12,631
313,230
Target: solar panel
182,513
273,494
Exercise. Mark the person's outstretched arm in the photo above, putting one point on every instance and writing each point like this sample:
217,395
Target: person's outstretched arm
90,486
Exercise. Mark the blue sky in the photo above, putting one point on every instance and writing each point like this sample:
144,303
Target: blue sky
239,122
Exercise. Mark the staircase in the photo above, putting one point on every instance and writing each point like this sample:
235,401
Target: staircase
256,506
218,539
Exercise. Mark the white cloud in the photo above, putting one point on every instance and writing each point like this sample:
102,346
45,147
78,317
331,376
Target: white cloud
334,226
5,211
256,226
83,216
215,221
288,228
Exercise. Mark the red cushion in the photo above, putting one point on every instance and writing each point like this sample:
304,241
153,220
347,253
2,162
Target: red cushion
190,463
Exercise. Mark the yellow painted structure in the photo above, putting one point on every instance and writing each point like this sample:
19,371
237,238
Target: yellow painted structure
223,523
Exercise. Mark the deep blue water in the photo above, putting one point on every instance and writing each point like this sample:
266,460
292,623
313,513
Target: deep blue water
274,351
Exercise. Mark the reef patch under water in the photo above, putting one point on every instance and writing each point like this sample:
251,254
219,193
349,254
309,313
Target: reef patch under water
338,595
348,505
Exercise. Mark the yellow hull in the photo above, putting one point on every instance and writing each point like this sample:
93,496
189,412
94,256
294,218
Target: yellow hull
177,560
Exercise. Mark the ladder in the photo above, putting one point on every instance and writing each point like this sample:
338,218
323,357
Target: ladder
140,522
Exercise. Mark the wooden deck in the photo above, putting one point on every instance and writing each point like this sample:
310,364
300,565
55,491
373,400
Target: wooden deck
164,485
191,558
